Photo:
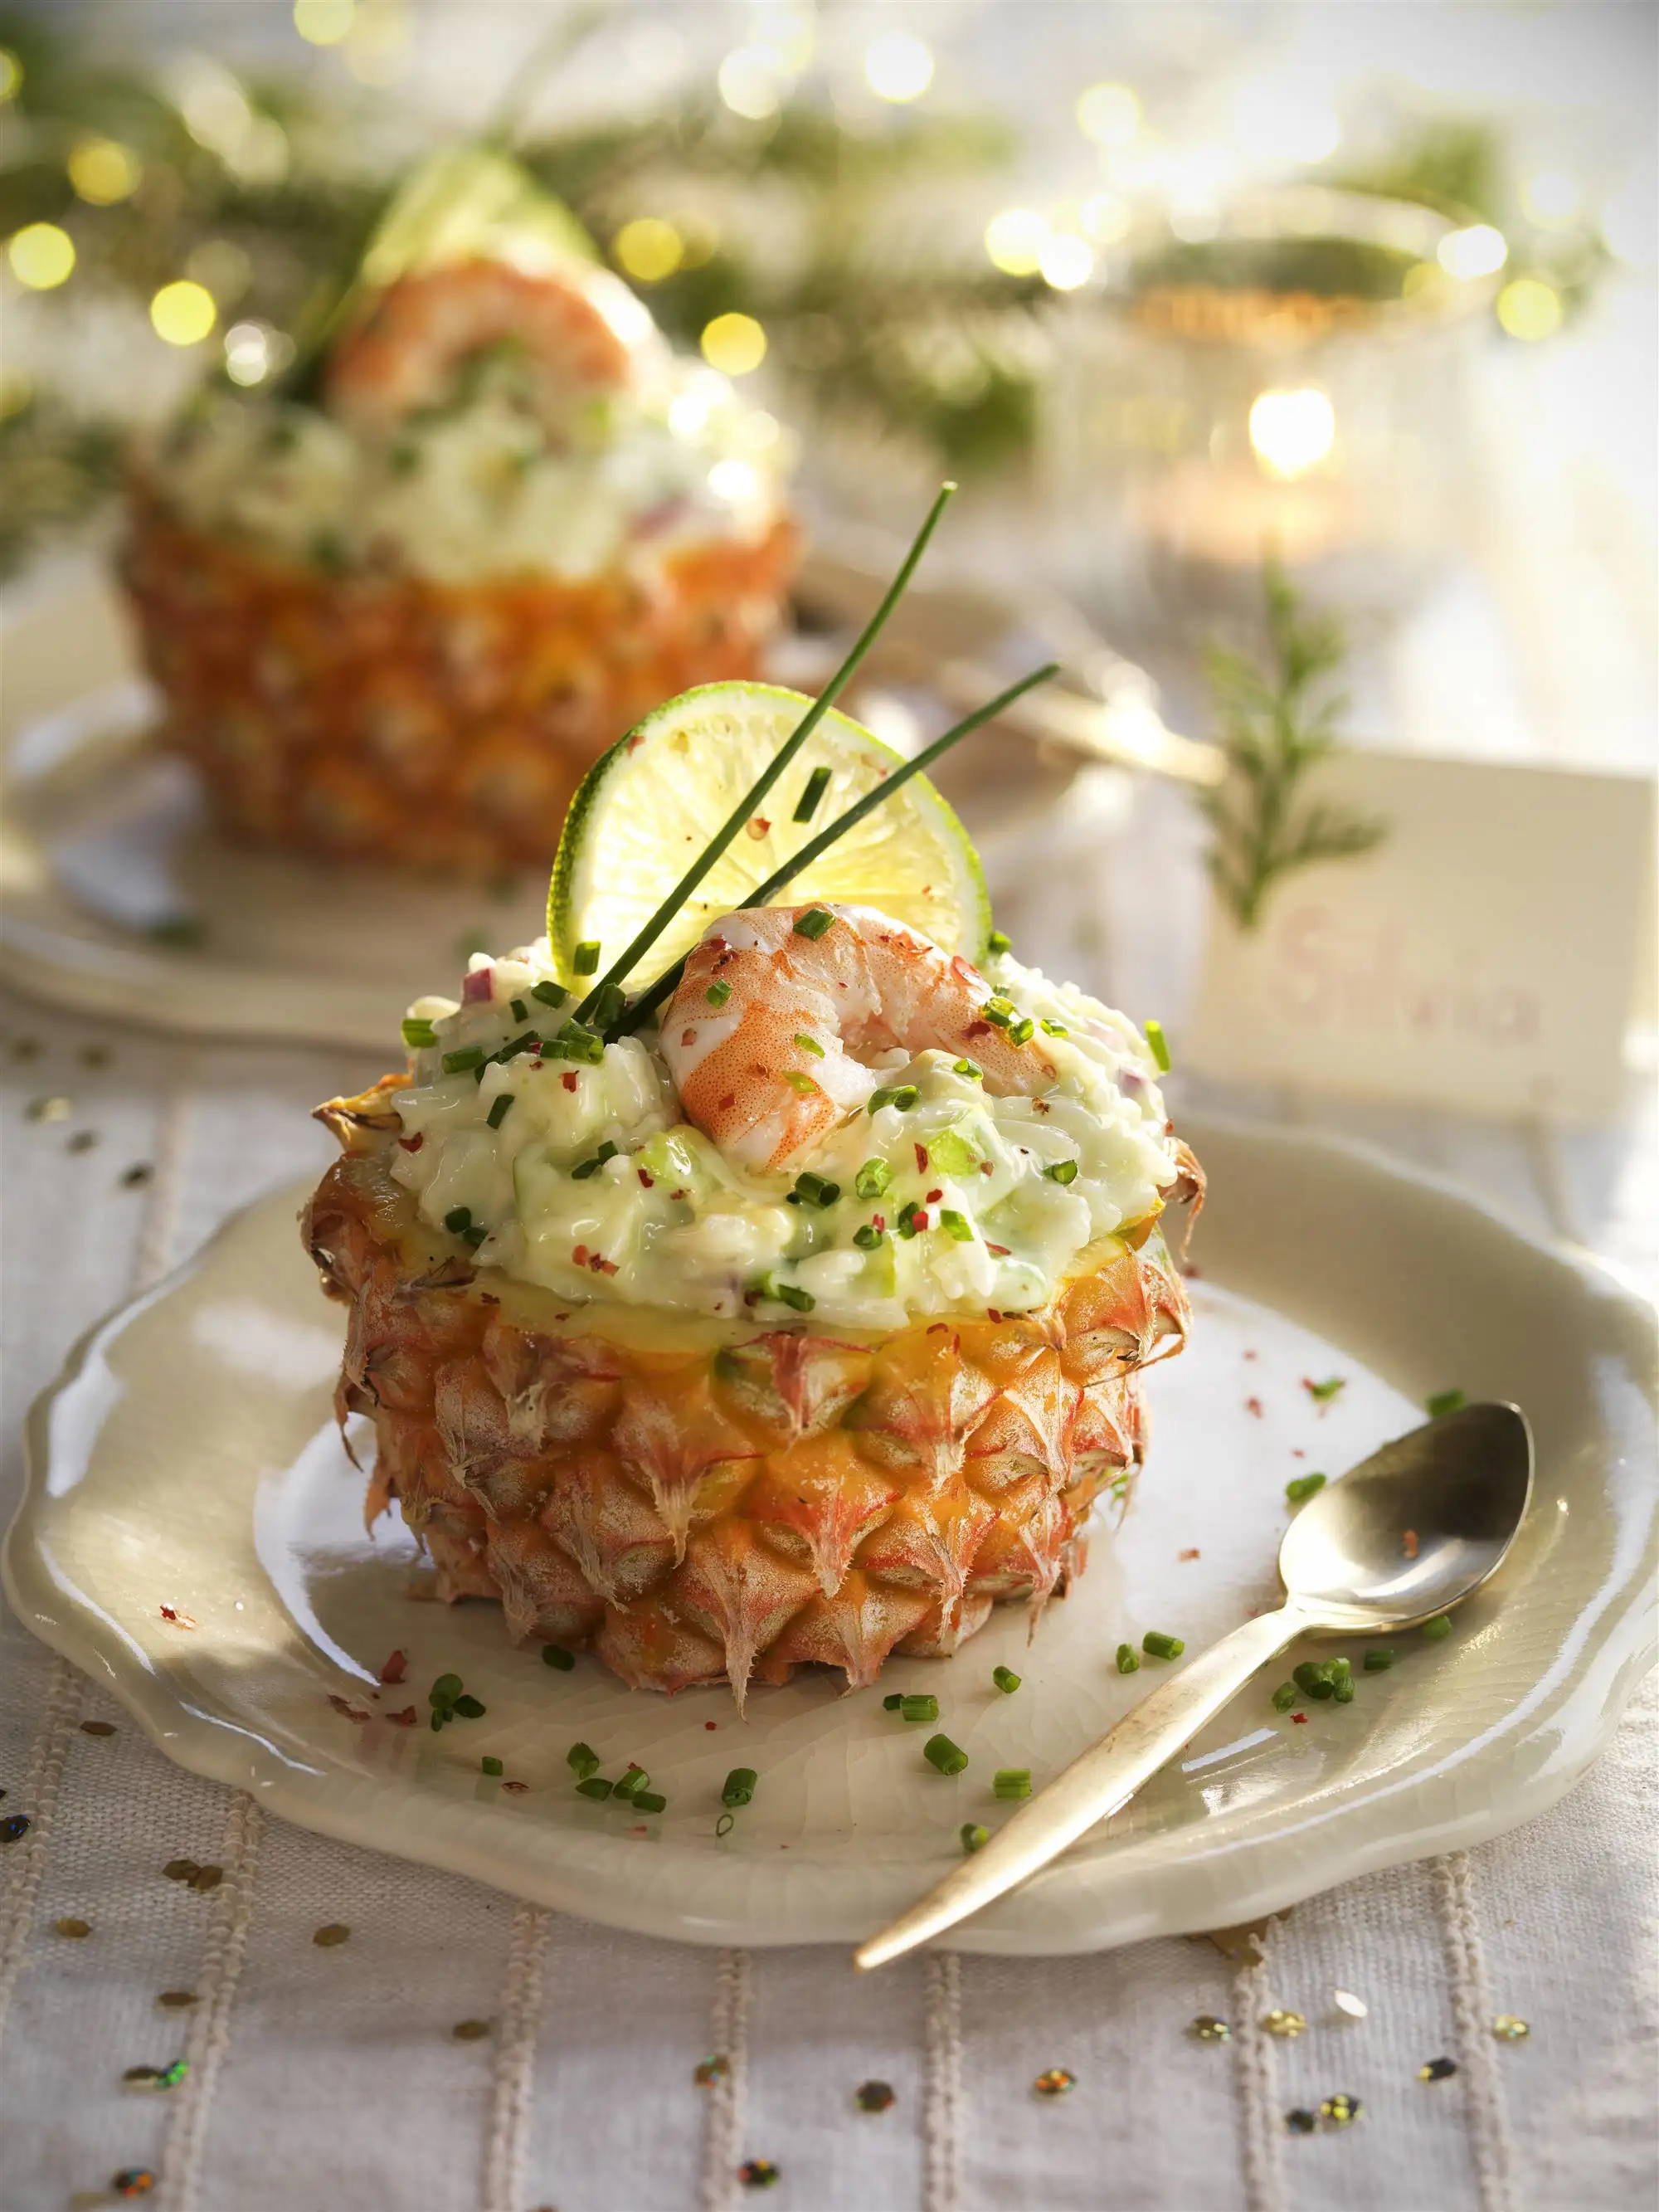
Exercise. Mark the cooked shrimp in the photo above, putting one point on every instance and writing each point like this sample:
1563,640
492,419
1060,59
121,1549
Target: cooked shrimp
766,1035
578,333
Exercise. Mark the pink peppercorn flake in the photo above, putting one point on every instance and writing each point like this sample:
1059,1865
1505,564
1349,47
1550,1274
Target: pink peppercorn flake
396,1668
175,1619
1301,1719
569,1078
352,1712
405,1719
411,1144
921,1159
1254,1405
478,986
647,1182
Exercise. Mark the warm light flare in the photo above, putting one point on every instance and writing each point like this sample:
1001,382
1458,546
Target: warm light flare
1109,115
324,22
103,171
1479,251
648,249
183,313
1292,431
1015,241
41,255
734,344
1529,309
898,67
1066,261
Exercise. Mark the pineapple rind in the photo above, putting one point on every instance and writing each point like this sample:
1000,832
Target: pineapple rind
702,1501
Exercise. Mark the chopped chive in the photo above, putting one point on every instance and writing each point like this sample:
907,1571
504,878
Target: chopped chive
718,994
609,1002
997,942
956,1224
814,1190
585,958
457,1063
949,1758
1061,1171
812,1045
1128,1659
488,1765
1005,1680
445,1690
647,1004
458,1221
970,1068
635,1779
1438,1630
1342,1690
901,1097
1023,1030
789,1295
974,1837
1160,1045
1011,1782
499,1112
648,1800
1378,1661
868,1238
1054,1029
1443,1401
909,1214
739,1787
797,1081
813,922
475,1235
1158,1645
551,994
891,1702
577,1042
1322,1393
554,1655
1304,1487
924,1707
998,1012
1312,1679
1339,1669
807,806
520,1011
582,1760
1283,1697
594,1786
872,1179
470,1709
418,1034
748,804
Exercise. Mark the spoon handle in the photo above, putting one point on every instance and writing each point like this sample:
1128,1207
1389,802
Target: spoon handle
1096,1785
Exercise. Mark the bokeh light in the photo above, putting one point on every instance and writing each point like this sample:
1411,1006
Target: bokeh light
752,82
1106,218
648,249
898,67
1066,261
1015,239
324,22
734,344
1552,198
103,171
1109,115
1529,309
1479,250
254,351
11,75
733,481
41,255
1292,431
183,313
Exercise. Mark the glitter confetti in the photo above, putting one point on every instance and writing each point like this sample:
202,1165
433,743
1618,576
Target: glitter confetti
73,1929
874,2096
14,1828
710,2070
176,2000
1208,2029
1056,2082
335,1932
1281,2022
97,1727
1301,2122
1340,2111
156,2079
49,1109
1350,2006
1436,2069
469,2031
132,2181
1508,2029
758,2173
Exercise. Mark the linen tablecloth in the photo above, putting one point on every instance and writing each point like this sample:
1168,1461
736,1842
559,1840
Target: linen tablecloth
331,2077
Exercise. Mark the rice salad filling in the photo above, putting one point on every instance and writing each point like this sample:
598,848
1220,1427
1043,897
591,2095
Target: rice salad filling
569,1163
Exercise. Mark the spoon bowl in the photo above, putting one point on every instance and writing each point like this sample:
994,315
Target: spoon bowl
1404,1536
1415,1528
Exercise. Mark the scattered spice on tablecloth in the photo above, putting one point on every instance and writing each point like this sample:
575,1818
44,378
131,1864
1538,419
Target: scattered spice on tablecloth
396,1668
1282,2022
1436,2069
345,1705
175,1618
758,2173
1054,2083
1208,2029
406,1718
207,1877
180,1870
49,1109
470,2031
176,2000
1508,2029
1340,2111
874,2096
1350,2006
335,1932
132,2181
1301,2122
14,1828
709,2070
156,2079
141,1171
95,1056
1323,1393
26,1048
73,1929
97,1727
83,1141
1191,1554
1254,1405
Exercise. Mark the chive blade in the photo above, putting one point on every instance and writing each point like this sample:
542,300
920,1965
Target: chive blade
644,1006
749,805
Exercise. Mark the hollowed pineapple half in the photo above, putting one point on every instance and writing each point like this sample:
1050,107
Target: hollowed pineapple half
699,1500
381,716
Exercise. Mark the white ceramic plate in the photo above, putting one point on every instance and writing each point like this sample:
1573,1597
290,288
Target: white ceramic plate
187,1458
105,848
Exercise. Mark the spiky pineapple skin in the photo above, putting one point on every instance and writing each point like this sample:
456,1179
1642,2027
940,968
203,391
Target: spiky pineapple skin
789,1496
380,716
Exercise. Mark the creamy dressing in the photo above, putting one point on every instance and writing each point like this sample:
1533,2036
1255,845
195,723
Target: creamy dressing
479,487
588,1180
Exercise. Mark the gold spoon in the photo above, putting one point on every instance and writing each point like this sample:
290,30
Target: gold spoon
1460,1485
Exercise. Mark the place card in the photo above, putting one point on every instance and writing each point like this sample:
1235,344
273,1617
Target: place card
1487,957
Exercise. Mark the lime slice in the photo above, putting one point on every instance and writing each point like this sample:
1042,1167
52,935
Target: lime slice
650,805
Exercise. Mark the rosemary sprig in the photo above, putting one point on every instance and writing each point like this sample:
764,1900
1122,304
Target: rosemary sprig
647,1004
749,805
1277,723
